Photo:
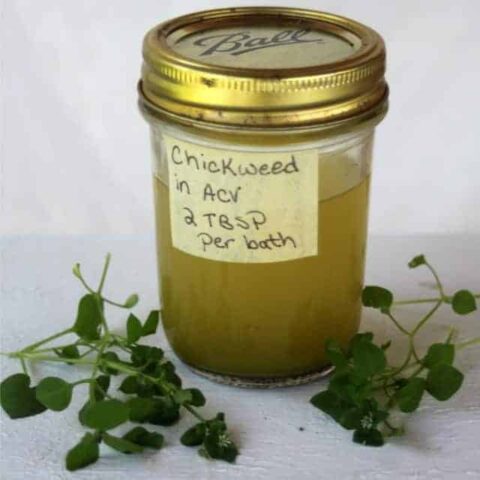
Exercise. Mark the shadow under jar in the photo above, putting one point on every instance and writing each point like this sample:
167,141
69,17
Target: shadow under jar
262,123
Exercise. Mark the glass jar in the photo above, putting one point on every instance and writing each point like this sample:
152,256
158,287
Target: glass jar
262,123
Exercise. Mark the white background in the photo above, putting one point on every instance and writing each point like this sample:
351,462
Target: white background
440,441
74,150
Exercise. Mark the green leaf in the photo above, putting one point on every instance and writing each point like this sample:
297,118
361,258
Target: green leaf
89,318
130,385
370,409
82,411
194,436
439,353
198,399
121,444
370,438
335,353
351,418
142,409
463,302
377,297
166,371
359,338
17,398
102,383
134,328
351,386
151,324
331,403
106,414
131,301
143,437
190,396
369,359
83,454
148,389
417,261
217,442
55,393
443,381
182,397
139,386
143,354
109,357
70,351
167,412
157,411
76,270
365,416
410,396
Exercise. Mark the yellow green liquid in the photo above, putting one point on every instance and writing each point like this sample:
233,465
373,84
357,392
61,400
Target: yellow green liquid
268,319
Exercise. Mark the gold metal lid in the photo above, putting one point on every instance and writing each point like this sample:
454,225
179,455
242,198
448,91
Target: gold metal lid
263,67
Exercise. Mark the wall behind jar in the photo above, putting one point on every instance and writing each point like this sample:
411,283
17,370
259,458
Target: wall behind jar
74,151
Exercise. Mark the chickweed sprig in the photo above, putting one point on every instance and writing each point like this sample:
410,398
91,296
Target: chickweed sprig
365,389
151,390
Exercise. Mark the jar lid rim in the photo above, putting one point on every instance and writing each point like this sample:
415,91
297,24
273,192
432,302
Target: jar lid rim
297,67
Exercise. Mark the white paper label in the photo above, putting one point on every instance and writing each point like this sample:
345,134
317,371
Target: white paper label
246,207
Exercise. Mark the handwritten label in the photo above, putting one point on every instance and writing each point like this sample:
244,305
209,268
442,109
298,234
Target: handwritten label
246,207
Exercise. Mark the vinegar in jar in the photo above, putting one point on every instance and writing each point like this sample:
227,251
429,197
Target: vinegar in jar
262,320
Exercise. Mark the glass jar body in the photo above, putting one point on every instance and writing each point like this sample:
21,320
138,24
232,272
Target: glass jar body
268,322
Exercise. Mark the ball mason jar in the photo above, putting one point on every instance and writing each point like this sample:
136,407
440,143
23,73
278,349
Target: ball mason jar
262,122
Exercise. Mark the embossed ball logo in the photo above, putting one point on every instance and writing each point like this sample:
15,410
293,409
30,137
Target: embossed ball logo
238,43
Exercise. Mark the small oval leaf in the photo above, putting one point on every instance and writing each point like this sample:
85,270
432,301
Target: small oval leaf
131,301
89,318
17,398
134,328
417,261
151,324
377,297
439,353
83,454
368,358
335,353
463,302
369,438
55,393
143,437
443,381
121,444
410,396
105,415
194,436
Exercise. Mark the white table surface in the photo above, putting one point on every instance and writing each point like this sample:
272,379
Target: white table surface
38,296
